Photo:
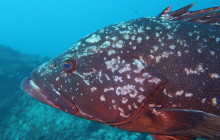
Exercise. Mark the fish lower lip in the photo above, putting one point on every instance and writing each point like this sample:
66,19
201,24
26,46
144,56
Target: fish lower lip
30,87
43,91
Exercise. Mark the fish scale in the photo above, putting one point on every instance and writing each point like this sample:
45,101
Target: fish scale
157,75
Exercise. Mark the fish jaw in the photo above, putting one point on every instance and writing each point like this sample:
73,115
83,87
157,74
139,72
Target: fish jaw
30,87
47,94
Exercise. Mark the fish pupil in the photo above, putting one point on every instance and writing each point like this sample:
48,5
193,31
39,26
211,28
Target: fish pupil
69,66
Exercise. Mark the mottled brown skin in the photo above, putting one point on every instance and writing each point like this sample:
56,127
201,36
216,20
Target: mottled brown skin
201,85
148,75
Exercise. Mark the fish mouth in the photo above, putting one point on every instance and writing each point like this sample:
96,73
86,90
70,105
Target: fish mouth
46,93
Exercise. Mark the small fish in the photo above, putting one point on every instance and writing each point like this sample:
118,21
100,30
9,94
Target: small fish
157,75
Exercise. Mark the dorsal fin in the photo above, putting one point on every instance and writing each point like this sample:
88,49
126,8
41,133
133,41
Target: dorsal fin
209,16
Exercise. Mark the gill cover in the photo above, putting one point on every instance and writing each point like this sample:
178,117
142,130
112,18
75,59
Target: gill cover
126,86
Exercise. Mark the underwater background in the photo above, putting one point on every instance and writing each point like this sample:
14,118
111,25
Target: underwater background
33,31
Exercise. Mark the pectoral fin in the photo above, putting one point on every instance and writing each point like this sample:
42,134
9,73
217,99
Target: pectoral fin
165,137
189,123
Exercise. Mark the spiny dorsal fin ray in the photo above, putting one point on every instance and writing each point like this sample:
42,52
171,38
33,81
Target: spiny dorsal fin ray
207,16
165,11
182,11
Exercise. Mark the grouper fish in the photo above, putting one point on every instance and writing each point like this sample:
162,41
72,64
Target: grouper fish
157,75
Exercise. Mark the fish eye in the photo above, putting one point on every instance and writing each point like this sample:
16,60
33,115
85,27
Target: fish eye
69,65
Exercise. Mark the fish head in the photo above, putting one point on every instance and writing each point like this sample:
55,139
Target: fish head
94,79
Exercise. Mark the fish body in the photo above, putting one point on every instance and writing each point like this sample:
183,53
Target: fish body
157,75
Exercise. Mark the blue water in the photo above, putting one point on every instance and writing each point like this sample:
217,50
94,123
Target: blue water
49,27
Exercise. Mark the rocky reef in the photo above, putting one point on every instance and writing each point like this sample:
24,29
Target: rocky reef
22,117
